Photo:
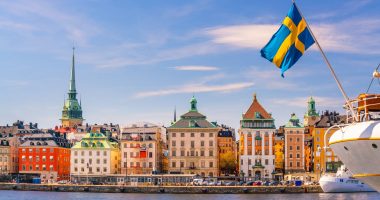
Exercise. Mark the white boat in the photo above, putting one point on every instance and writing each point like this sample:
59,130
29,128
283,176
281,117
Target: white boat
342,181
358,144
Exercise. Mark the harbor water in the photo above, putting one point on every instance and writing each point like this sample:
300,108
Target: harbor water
33,195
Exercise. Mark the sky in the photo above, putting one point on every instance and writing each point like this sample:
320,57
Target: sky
138,60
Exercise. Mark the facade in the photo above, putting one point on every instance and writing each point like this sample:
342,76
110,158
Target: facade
227,150
328,159
45,155
95,154
294,146
142,149
5,157
257,132
192,144
72,109
13,133
279,148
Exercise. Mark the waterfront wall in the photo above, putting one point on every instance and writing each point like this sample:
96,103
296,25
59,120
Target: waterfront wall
162,189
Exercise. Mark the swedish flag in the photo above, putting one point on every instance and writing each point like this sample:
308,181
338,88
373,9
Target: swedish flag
289,43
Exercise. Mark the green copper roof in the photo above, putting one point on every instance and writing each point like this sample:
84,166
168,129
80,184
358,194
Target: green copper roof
192,119
294,122
193,104
311,108
95,140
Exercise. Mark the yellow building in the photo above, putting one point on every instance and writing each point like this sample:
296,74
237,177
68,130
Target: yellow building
227,151
328,159
279,160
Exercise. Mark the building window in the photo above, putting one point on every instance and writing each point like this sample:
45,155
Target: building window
266,161
182,134
290,147
51,158
30,158
30,150
191,134
298,147
211,153
202,153
37,158
298,139
182,143
82,161
298,164
290,155
150,155
37,167
51,150
211,135
43,167
249,161
182,153
75,153
211,143
90,153
192,144
125,154
182,164
173,143
104,169
97,161
291,164
98,153
202,143
104,161
30,168
298,155
104,153
43,158
173,134
75,161
82,153
211,164
173,153
202,134
173,164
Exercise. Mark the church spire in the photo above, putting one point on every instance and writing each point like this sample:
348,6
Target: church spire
72,87
193,104
175,114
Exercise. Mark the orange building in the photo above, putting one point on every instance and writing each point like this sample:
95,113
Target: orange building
294,146
46,156
279,160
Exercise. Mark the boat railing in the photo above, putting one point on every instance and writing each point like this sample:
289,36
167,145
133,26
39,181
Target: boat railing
365,107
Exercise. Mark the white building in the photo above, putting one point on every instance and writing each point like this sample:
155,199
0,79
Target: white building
256,151
95,154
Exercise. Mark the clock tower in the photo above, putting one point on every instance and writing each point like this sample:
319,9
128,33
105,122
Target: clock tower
311,116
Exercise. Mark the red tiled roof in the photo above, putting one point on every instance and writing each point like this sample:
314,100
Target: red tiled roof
256,107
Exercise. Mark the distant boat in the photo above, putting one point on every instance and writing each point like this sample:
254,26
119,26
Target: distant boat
342,182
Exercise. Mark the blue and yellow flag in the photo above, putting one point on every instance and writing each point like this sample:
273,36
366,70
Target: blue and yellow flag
290,41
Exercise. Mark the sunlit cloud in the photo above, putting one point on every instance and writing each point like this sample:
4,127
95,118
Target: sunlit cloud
196,68
196,88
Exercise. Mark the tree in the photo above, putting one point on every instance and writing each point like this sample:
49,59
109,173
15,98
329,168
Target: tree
227,162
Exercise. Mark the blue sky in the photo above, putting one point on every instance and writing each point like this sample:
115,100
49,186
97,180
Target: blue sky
137,60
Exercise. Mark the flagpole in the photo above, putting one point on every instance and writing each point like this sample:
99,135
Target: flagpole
329,66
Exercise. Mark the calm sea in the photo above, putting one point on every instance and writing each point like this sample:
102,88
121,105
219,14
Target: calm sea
20,195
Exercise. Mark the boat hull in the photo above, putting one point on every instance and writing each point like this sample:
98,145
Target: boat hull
342,185
358,146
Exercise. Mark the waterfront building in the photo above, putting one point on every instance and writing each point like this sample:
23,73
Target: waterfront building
256,132
279,162
142,148
294,146
13,133
327,120
227,150
95,154
45,155
5,156
192,144
72,108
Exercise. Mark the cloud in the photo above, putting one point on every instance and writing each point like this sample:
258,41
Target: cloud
196,68
197,88
337,37
302,101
